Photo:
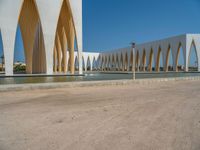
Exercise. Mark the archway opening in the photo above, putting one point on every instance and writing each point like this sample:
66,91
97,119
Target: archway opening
83,62
169,60
126,63
117,63
19,66
94,64
137,61
76,64
151,61
102,63
65,40
180,59
106,63
113,64
2,58
88,64
98,63
193,59
144,67
131,61
29,49
109,63
159,61
121,63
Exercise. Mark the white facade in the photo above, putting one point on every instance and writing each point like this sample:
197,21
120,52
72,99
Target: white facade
48,12
49,29
122,59
90,60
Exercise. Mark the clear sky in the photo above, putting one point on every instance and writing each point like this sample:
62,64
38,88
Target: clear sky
109,24
112,24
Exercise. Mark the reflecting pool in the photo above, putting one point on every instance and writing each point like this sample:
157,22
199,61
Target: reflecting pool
90,77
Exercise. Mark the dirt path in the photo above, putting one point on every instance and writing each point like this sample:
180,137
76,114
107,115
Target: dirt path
163,116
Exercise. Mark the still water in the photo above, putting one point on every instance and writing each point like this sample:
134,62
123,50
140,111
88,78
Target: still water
90,77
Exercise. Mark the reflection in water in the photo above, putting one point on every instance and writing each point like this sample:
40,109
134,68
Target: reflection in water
91,77
8,81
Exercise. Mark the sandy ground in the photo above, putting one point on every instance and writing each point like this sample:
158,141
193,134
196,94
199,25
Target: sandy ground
163,116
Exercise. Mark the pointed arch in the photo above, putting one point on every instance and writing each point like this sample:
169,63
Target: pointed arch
179,66
102,62
19,56
144,60
137,61
2,61
126,62
113,64
106,63
66,32
158,59
84,64
94,64
117,63
109,63
193,63
88,64
131,61
121,62
76,64
169,57
151,60
99,62
32,35
55,60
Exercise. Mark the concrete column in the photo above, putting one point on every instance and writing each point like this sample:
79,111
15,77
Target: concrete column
8,38
71,47
186,52
76,8
91,64
144,64
157,67
49,21
199,64
64,50
55,60
58,47
67,65
138,66
28,21
150,67
102,63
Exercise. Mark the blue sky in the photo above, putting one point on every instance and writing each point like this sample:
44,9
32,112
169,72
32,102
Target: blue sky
109,24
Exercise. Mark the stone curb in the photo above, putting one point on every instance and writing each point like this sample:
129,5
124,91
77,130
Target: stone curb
22,87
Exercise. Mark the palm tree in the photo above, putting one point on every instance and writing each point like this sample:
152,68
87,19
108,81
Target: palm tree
2,61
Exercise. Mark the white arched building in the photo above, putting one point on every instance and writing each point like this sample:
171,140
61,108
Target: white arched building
49,29
123,59
90,61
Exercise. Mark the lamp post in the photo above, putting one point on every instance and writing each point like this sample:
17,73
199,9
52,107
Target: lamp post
133,67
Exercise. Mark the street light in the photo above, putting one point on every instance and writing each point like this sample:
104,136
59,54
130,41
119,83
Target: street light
133,67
